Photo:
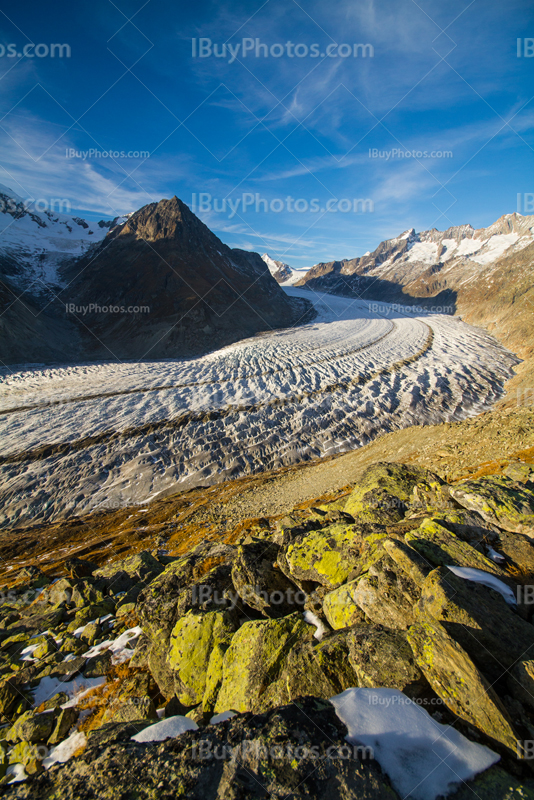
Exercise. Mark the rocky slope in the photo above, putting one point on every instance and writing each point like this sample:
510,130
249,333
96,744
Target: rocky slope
159,282
407,592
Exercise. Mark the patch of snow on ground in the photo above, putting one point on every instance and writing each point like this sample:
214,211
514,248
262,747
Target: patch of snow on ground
486,579
18,772
166,729
312,619
222,717
65,750
422,758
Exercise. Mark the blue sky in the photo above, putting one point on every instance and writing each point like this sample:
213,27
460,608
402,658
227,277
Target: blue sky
441,76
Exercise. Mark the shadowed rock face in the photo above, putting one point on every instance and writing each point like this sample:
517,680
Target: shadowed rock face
177,291
200,294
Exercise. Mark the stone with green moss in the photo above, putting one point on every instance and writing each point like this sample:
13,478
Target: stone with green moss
462,687
340,609
256,658
387,487
382,658
440,547
325,556
412,563
386,595
320,668
478,618
194,639
499,500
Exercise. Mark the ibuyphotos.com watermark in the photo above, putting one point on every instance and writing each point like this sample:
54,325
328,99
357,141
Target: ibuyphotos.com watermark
204,202
395,308
95,308
208,751
9,205
374,152
255,48
71,152
32,50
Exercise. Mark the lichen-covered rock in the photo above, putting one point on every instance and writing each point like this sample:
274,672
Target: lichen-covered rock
32,727
478,618
322,667
441,547
461,686
130,709
66,719
193,639
340,609
412,563
520,681
326,556
261,584
387,595
295,751
382,658
390,486
495,784
255,659
11,697
140,567
499,500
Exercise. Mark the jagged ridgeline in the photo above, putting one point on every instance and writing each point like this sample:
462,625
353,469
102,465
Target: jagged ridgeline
296,658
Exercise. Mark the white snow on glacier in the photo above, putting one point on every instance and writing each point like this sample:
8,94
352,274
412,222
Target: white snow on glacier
128,432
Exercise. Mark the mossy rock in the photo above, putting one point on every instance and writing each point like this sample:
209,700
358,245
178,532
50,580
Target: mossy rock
261,584
340,609
479,619
500,501
325,556
387,595
255,659
441,548
194,639
462,687
382,658
322,668
409,560
389,483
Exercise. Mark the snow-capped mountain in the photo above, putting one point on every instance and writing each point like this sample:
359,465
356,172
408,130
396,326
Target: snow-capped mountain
283,273
156,281
420,263
34,244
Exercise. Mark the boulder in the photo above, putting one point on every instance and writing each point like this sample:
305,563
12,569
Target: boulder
387,595
498,500
140,567
390,485
478,618
410,561
325,556
66,719
130,709
255,659
382,658
322,667
440,547
461,686
340,609
294,751
195,640
261,584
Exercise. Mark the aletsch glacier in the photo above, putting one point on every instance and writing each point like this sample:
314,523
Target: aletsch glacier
78,438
